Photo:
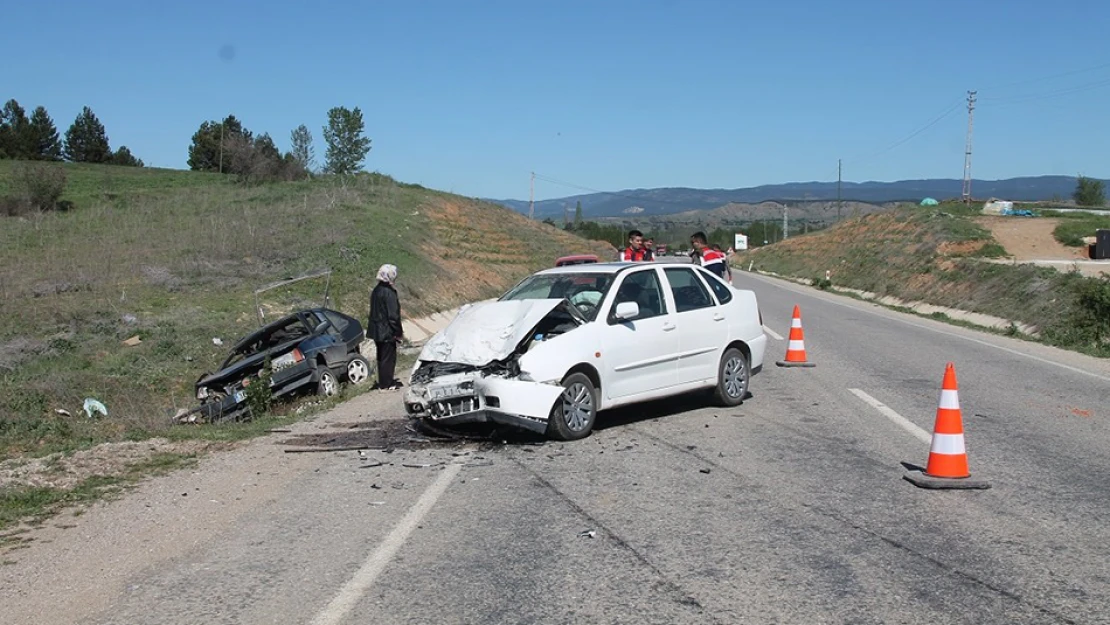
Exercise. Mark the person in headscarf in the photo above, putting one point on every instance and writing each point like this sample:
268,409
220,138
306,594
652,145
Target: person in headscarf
385,325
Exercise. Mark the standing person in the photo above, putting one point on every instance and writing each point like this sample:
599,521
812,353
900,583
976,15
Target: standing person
649,249
726,256
711,259
385,325
634,252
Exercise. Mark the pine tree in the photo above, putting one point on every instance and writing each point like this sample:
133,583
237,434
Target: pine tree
578,214
302,150
43,137
14,131
347,148
86,141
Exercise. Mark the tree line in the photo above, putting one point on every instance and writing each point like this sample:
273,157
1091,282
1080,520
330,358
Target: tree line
36,138
227,147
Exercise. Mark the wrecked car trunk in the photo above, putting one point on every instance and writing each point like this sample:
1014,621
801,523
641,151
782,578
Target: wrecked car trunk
471,371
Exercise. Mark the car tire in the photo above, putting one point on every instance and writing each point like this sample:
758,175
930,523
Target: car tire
327,385
358,370
733,376
574,413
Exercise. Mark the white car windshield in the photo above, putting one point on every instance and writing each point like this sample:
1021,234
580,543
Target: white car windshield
585,290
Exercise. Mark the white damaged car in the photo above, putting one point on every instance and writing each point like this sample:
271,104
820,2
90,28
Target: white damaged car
568,342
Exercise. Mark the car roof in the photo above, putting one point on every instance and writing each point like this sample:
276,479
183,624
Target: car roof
577,257
604,268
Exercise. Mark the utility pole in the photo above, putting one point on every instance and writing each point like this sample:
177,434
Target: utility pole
531,198
221,147
838,178
785,227
967,154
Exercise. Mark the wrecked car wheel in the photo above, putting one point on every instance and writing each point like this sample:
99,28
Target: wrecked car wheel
358,370
327,386
733,377
574,413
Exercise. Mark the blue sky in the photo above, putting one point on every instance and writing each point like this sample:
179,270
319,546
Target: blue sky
471,97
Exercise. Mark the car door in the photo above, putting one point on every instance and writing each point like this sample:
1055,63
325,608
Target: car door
639,354
701,326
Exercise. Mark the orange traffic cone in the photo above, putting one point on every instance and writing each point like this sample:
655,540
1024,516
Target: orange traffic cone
796,347
947,467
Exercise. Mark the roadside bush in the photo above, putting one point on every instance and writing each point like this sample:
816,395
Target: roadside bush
1087,325
259,397
39,185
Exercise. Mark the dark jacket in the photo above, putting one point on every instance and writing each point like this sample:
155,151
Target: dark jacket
385,314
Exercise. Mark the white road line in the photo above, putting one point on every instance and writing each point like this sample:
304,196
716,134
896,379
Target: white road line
887,412
364,578
772,333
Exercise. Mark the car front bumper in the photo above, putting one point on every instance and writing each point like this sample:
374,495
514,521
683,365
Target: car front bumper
469,398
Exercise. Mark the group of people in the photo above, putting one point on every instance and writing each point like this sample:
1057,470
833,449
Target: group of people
701,252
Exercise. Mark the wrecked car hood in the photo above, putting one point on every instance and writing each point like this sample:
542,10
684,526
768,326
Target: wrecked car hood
486,332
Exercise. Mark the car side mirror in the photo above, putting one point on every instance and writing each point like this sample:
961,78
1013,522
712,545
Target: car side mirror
627,310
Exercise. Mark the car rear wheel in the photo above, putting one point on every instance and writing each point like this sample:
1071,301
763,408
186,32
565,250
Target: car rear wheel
733,377
327,385
575,412
358,370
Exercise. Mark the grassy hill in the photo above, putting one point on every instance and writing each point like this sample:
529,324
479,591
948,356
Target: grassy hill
940,256
174,257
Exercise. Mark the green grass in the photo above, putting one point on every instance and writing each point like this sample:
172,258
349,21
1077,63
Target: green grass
33,504
1074,226
174,257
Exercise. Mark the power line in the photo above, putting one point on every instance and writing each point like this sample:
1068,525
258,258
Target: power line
1050,77
1032,97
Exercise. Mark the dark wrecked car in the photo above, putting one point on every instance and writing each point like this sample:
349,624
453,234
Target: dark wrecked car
307,350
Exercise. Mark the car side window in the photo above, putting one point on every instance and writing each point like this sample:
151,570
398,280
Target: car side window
331,329
689,293
644,288
723,293
337,321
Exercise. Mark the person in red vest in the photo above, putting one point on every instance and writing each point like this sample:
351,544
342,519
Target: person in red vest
711,259
635,251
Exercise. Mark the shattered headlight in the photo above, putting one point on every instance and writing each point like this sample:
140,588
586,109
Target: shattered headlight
202,393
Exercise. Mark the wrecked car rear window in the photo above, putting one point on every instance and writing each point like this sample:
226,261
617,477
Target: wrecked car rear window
585,290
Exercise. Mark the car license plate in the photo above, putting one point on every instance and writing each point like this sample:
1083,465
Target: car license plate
447,391
240,396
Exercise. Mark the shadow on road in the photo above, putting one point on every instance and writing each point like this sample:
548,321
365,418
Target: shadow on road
658,409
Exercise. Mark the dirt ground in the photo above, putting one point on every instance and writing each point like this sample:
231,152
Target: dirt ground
1030,240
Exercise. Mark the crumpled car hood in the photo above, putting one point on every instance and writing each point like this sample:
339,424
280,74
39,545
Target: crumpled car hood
486,332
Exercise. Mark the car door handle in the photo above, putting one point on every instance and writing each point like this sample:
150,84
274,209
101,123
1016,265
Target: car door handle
667,327
718,317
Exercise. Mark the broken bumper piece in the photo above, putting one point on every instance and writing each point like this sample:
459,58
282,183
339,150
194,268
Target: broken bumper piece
457,400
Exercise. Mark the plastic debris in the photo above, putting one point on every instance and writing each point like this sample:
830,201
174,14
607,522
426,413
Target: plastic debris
587,534
63,412
92,406
217,341
133,341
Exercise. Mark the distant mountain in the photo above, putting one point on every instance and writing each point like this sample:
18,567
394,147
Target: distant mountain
666,201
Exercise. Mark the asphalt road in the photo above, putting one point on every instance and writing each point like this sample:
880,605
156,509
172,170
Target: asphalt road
788,509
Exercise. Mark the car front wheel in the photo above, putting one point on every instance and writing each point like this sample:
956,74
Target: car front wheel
574,413
733,377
